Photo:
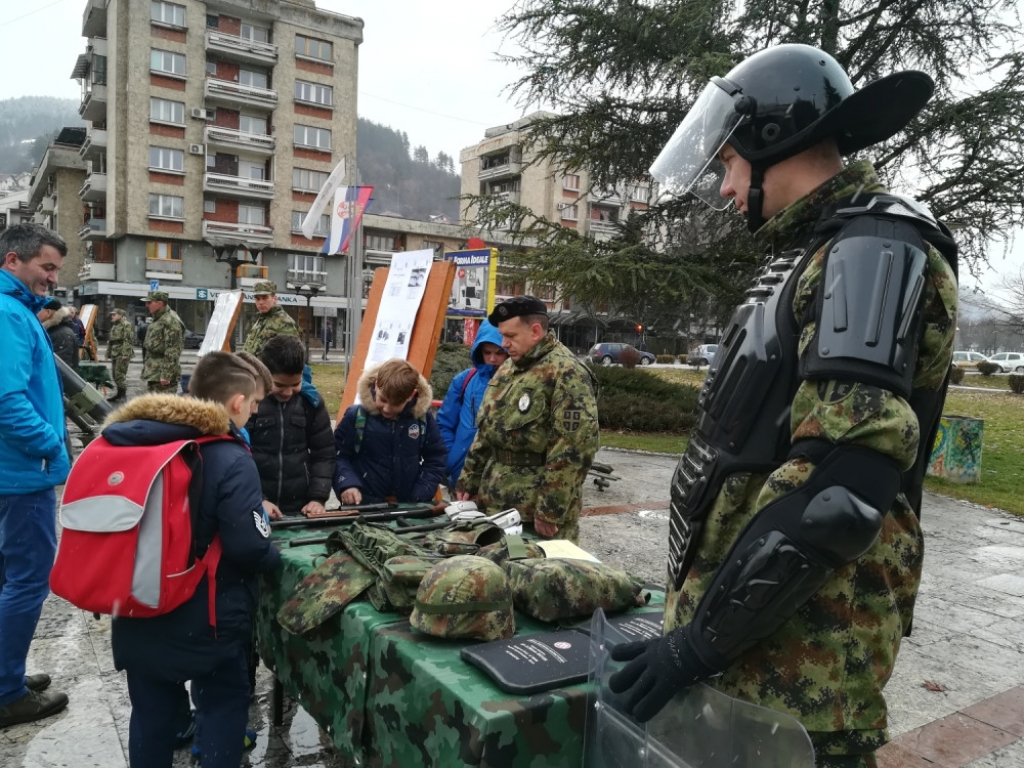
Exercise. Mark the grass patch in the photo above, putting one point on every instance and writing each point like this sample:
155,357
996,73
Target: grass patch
330,380
634,441
978,381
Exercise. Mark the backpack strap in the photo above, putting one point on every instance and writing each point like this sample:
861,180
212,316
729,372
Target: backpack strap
360,428
465,382
211,558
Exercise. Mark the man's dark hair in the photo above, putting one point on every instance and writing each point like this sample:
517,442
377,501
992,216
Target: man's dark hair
284,355
26,240
538,318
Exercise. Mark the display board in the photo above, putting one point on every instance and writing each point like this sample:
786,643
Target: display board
222,322
476,275
87,314
426,328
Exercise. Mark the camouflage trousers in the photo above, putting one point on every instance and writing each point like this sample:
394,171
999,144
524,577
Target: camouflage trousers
569,529
120,367
156,386
846,761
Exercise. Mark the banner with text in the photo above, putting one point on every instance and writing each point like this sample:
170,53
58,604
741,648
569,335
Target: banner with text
475,276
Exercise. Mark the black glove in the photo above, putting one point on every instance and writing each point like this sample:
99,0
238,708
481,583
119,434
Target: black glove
657,669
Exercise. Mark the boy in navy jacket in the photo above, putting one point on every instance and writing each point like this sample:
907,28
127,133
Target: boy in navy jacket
389,446
160,653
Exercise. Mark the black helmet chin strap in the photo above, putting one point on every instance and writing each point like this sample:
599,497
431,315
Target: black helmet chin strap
755,198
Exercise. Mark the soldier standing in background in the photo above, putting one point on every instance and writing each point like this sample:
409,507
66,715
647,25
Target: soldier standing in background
120,350
273,320
164,341
537,426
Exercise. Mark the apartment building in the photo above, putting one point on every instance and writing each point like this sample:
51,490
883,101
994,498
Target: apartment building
211,127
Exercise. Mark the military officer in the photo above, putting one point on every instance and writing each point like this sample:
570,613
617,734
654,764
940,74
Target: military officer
273,320
120,350
164,341
537,426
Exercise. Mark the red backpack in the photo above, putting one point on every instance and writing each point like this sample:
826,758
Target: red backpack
128,514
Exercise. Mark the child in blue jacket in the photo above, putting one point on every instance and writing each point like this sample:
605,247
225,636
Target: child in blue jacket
389,446
457,415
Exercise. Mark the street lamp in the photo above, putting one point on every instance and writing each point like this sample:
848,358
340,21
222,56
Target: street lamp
309,291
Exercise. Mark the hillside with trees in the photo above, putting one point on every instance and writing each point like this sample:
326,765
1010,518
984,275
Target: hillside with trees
27,124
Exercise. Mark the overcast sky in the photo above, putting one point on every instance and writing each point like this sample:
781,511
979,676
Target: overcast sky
429,69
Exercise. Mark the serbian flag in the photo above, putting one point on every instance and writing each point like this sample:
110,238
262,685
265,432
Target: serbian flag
349,205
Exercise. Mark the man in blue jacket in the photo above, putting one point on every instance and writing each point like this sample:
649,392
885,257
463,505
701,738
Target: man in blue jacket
457,415
33,459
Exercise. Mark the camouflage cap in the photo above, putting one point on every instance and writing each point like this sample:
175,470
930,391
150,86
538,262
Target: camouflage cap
465,597
157,296
117,311
264,288
517,307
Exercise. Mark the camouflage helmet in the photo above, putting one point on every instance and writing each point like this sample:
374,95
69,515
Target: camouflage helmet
465,597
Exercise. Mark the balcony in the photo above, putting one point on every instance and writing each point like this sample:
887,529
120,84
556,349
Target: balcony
377,258
297,277
95,143
602,229
607,196
228,233
94,104
234,48
237,186
229,138
512,196
94,18
235,95
510,168
94,229
47,205
94,270
95,188
250,274
163,269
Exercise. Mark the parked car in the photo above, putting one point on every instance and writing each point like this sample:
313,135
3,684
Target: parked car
193,340
702,355
1008,362
965,359
608,352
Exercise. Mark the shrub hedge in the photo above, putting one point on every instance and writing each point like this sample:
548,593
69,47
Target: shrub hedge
956,375
682,359
639,401
450,359
629,358
1017,383
667,359
986,368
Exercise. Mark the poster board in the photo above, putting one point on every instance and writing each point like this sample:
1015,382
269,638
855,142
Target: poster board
473,286
88,314
426,331
222,322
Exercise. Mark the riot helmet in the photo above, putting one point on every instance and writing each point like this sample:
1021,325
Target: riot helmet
776,104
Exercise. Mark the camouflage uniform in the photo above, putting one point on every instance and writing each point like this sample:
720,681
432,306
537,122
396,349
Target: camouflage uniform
827,665
120,349
274,322
536,439
164,341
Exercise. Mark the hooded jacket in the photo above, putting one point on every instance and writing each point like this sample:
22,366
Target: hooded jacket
32,452
293,446
457,415
63,336
402,458
182,643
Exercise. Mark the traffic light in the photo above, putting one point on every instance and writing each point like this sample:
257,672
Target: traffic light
639,328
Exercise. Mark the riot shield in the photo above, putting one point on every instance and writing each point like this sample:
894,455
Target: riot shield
699,728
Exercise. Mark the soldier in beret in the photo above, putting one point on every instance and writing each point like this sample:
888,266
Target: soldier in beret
273,320
537,426
164,341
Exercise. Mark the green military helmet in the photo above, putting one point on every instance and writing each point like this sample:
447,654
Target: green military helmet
465,597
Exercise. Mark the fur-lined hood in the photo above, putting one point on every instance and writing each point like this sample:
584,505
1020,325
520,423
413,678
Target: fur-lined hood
207,417
419,406
57,318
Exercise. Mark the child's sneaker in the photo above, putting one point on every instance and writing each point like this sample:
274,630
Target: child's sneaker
186,732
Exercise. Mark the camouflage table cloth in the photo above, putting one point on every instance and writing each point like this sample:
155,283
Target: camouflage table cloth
390,696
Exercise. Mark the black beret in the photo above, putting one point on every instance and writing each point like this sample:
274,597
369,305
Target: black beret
517,307
53,304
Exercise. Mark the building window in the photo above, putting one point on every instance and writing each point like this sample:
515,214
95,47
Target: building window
640,193
308,181
247,124
251,170
167,206
209,206
436,247
323,226
570,212
314,93
506,287
212,21
167,62
251,214
252,78
211,68
308,136
571,181
379,242
98,72
166,159
313,48
307,266
167,13
165,111
256,34
156,250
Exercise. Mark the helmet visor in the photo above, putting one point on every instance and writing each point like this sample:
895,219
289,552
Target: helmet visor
689,162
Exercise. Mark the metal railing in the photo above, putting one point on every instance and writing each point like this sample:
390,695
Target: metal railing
257,141
241,45
237,185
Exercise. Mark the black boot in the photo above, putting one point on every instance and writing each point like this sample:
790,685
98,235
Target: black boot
122,393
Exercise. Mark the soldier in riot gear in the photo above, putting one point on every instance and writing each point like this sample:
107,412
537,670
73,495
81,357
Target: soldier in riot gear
794,549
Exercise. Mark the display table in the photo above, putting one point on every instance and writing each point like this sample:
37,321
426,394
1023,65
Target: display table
388,695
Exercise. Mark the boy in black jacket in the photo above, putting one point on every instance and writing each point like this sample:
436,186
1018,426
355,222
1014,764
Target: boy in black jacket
160,653
291,436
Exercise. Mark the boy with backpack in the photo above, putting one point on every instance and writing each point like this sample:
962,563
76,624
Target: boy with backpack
206,638
457,416
291,437
389,446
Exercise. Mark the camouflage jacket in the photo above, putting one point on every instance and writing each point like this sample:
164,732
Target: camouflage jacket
164,341
826,666
537,435
274,322
119,345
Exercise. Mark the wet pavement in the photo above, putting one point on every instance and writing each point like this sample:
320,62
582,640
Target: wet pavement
956,697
